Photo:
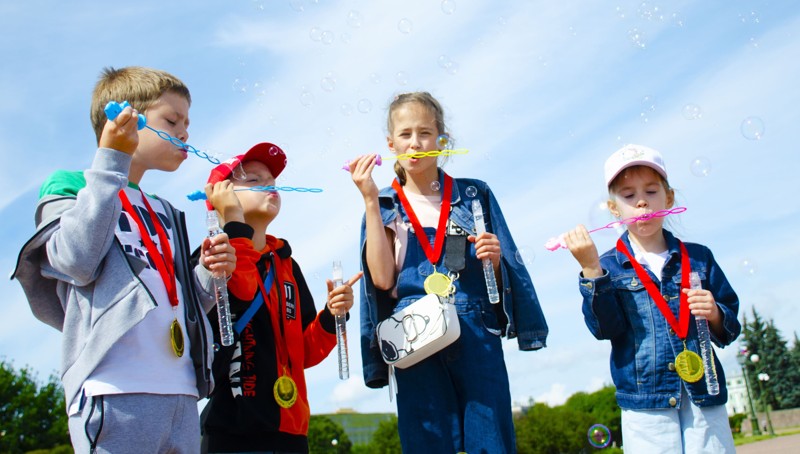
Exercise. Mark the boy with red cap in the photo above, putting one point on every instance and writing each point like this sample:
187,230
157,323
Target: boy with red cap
260,402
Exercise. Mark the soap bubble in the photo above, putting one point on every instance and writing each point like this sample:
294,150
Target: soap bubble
435,185
297,5
748,266
240,85
752,128
345,37
306,97
401,77
375,78
524,255
677,19
354,19
327,37
599,436
328,82
405,25
471,191
692,112
315,34
637,38
274,151
346,109
364,105
448,6
700,166
443,141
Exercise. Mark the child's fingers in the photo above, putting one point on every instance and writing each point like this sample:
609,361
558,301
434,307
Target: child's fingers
354,279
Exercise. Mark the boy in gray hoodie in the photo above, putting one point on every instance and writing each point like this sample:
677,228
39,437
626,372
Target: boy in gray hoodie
109,267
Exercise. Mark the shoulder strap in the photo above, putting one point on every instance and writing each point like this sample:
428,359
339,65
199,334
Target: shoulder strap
257,301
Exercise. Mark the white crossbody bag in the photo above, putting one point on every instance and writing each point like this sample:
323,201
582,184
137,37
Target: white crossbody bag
418,331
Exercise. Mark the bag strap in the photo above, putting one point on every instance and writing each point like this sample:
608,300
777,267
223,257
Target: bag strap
257,301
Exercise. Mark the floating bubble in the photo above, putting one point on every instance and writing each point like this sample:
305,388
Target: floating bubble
328,82
692,112
405,25
274,151
599,436
435,185
524,255
649,103
315,34
637,38
700,166
238,172
258,4
364,105
452,69
677,19
331,131
443,61
748,267
471,191
306,97
401,78
297,5
448,6
443,141
646,11
620,12
346,109
354,19
240,85
752,128
345,38
327,37
375,78
502,21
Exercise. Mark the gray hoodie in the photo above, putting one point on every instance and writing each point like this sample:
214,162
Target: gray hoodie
78,279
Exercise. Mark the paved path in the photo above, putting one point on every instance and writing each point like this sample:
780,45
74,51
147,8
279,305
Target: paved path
786,444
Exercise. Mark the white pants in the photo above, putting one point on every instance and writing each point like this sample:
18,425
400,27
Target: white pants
689,430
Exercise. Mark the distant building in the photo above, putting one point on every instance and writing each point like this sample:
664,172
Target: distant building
737,395
359,427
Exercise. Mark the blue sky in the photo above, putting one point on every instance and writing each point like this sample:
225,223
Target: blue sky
539,92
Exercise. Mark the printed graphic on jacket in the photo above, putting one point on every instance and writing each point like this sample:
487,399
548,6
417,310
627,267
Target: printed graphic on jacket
242,367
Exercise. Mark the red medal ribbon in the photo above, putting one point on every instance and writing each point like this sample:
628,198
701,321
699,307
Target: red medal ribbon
434,253
277,323
680,326
164,263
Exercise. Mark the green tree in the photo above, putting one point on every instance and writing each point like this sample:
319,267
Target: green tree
31,417
602,406
789,379
325,436
762,338
546,430
385,440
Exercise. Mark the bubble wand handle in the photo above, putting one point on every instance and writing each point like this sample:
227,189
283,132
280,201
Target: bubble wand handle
557,242
220,287
341,327
488,269
704,338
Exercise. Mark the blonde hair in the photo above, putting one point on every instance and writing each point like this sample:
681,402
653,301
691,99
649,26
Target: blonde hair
424,99
140,86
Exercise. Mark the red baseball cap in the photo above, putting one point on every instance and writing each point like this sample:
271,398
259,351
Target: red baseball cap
269,154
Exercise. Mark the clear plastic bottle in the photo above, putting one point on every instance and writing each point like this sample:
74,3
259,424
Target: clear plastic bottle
704,337
220,288
341,327
488,269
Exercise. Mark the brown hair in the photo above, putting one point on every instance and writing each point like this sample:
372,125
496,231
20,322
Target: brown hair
140,86
426,100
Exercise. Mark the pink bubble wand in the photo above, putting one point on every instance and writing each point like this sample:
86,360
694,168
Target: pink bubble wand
559,243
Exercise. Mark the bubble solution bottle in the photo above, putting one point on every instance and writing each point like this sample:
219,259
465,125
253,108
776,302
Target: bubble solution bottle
220,287
488,270
341,327
704,337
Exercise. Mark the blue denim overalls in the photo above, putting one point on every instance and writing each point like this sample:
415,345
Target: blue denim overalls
458,399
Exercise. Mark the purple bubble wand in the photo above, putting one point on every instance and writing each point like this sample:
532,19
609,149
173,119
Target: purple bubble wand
558,242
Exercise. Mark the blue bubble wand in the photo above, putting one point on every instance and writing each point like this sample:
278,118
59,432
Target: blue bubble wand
200,195
113,110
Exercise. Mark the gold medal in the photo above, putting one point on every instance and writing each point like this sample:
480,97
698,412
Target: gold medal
438,284
689,366
285,391
176,337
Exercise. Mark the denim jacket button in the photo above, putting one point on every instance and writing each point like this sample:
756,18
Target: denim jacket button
671,367
671,331
673,401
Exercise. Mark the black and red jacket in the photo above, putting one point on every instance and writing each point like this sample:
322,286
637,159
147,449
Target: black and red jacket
242,414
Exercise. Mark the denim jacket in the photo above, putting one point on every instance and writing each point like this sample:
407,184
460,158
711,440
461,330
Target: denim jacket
523,315
616,306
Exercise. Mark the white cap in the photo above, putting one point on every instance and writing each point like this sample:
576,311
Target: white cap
633,155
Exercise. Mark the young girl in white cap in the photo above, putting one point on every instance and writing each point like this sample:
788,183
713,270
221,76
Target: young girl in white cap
637,296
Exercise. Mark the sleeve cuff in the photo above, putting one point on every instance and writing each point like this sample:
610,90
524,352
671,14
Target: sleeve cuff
236,229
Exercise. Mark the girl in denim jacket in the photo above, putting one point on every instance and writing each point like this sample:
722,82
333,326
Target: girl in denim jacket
637,296
457,399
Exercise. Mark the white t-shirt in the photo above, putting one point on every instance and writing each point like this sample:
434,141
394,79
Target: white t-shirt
142,361
653,260
427,209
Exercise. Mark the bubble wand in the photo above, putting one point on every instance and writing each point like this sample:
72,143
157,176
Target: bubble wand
558,242
704,338
488,269
113,110
200,195
442,141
